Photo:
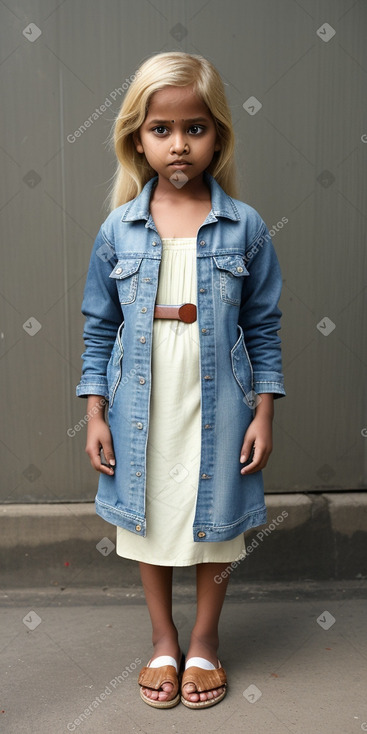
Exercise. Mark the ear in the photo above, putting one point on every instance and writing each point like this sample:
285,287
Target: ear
137,142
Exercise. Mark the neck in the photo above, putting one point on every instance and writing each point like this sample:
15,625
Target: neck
196,189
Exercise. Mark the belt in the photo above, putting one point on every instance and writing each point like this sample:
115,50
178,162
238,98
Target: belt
186,312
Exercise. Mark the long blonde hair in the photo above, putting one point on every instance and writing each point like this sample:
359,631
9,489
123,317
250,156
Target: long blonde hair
178,69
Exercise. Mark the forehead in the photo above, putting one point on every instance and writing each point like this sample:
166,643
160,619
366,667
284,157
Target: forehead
174,100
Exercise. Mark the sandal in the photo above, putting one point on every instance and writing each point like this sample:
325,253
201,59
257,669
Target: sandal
204,680
155,677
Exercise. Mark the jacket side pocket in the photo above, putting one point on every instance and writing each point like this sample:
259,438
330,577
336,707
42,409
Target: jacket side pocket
242,369
114,367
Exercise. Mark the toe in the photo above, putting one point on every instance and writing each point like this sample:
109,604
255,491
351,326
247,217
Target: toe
189,687
150,693
194,697
209,695
165,692
190,693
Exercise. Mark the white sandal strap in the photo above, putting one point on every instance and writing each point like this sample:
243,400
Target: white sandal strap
200,663
163,660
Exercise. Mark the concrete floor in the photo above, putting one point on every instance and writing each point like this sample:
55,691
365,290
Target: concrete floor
295,656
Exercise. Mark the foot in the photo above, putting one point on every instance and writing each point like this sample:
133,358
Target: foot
209,654
165,692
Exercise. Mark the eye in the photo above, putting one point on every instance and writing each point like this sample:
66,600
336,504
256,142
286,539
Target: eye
160,129
197,129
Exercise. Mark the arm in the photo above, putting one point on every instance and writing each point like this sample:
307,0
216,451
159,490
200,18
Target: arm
260,320
260,315
102,310
101,307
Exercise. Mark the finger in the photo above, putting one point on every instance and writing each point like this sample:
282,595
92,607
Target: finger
103,468
108,453
107,459
106,469
258,462
95,460
246,449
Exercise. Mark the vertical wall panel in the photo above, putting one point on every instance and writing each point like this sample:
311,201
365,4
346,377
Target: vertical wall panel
301,157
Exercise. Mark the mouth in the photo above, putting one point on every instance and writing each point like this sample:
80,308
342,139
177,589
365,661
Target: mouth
179,164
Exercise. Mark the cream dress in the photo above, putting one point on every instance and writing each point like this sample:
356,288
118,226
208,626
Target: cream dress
173,450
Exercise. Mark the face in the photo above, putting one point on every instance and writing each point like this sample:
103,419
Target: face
178,136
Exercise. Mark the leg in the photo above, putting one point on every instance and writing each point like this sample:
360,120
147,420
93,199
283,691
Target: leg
157,584
204,637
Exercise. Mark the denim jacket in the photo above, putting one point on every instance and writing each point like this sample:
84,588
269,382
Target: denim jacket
238,288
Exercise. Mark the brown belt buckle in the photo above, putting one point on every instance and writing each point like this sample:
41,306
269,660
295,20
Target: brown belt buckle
186,312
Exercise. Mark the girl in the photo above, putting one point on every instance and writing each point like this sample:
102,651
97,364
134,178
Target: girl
181,340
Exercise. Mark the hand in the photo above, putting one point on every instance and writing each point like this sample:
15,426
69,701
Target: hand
259,436
99,435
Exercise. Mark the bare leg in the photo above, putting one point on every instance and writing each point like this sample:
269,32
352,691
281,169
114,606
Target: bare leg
157,584
204,637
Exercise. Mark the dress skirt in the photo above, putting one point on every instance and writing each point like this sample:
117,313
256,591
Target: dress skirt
174,439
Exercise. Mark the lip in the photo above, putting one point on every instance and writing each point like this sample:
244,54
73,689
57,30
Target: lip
179,164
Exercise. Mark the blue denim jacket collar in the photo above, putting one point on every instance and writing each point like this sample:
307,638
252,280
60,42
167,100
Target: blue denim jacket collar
222,204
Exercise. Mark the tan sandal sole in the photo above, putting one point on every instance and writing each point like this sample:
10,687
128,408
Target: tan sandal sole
202,704
160,704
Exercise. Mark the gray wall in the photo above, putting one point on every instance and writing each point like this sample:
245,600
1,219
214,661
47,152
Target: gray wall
301,156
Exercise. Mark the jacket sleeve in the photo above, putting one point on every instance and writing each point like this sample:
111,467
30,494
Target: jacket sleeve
260,315
101,307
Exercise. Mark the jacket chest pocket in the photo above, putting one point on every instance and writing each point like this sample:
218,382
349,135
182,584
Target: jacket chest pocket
126,274
228,277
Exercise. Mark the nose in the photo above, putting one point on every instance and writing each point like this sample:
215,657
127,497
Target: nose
178,143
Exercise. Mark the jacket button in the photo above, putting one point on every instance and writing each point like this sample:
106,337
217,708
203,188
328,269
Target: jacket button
138,528
207,377
239,269
202,290
207,425
118,271
138,473
141,380
203,331
139,425
202,242
144,310
142,339
154,243
201,534
204,476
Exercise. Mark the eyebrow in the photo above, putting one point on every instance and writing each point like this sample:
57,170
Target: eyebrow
194,119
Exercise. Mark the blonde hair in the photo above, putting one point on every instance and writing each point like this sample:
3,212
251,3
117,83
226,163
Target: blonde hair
177,69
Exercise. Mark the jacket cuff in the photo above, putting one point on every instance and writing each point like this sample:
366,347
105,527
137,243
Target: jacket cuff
92,385
272,382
